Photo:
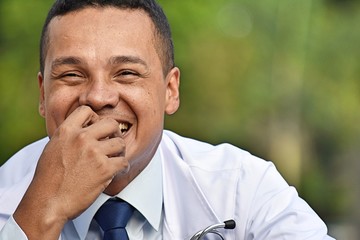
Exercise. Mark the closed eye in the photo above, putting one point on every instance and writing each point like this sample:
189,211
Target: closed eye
127,76
127,72
71,75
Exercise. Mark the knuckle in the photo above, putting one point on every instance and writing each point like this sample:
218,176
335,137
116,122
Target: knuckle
113,123
119,142
63,130
125,167
82,137
120,146
93,152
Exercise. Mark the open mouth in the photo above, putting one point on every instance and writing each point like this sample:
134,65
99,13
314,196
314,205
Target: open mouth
124,127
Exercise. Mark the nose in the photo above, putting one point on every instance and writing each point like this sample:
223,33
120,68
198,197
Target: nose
99,94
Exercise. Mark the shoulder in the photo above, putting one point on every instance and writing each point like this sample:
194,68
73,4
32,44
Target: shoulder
16,175
217,170
200,154
225,164
21,163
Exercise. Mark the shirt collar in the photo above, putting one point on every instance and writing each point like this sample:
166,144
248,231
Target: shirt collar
144,191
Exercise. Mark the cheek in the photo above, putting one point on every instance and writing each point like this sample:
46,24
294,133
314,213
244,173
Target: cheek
58,105
155,104
145,98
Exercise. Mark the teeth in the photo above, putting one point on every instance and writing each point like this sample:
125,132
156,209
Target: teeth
123,127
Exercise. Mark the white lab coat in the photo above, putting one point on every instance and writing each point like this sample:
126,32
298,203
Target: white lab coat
202,185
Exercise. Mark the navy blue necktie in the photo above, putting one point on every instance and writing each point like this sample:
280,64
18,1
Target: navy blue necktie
112,217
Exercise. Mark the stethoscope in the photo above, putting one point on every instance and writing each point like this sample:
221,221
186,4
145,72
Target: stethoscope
229,224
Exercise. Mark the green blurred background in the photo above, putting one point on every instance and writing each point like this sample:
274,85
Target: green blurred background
278,78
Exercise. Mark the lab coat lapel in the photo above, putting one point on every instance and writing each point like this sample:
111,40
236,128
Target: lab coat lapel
18,179
186,209
11,199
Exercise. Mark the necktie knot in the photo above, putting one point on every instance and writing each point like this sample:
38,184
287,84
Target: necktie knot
112,217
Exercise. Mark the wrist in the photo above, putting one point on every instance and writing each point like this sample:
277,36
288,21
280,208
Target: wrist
38,220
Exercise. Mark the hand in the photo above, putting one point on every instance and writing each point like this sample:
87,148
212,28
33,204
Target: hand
78,163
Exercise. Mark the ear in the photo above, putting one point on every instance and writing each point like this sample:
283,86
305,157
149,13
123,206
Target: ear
172,101
42,95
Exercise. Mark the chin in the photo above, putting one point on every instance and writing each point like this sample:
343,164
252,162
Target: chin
117,184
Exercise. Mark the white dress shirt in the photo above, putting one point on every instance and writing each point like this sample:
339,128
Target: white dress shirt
146,222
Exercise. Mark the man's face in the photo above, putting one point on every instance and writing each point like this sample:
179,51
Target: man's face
106,58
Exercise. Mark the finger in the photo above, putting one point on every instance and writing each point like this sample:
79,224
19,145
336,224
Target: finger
113,147
105,128
82,116
120,165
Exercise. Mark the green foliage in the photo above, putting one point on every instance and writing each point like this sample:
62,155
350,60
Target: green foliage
20,26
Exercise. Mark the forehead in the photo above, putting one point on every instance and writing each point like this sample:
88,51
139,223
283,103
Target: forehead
106,27
110,16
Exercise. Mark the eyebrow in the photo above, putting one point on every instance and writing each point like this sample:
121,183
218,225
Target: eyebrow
65,61
127,59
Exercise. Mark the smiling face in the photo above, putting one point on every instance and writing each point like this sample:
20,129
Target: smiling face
105,58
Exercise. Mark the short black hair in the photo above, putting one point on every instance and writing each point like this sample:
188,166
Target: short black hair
163,43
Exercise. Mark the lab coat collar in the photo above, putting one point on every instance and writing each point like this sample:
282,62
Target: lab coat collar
10,201
181,194
20,179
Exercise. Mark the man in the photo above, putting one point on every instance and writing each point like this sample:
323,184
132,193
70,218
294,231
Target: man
107,77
